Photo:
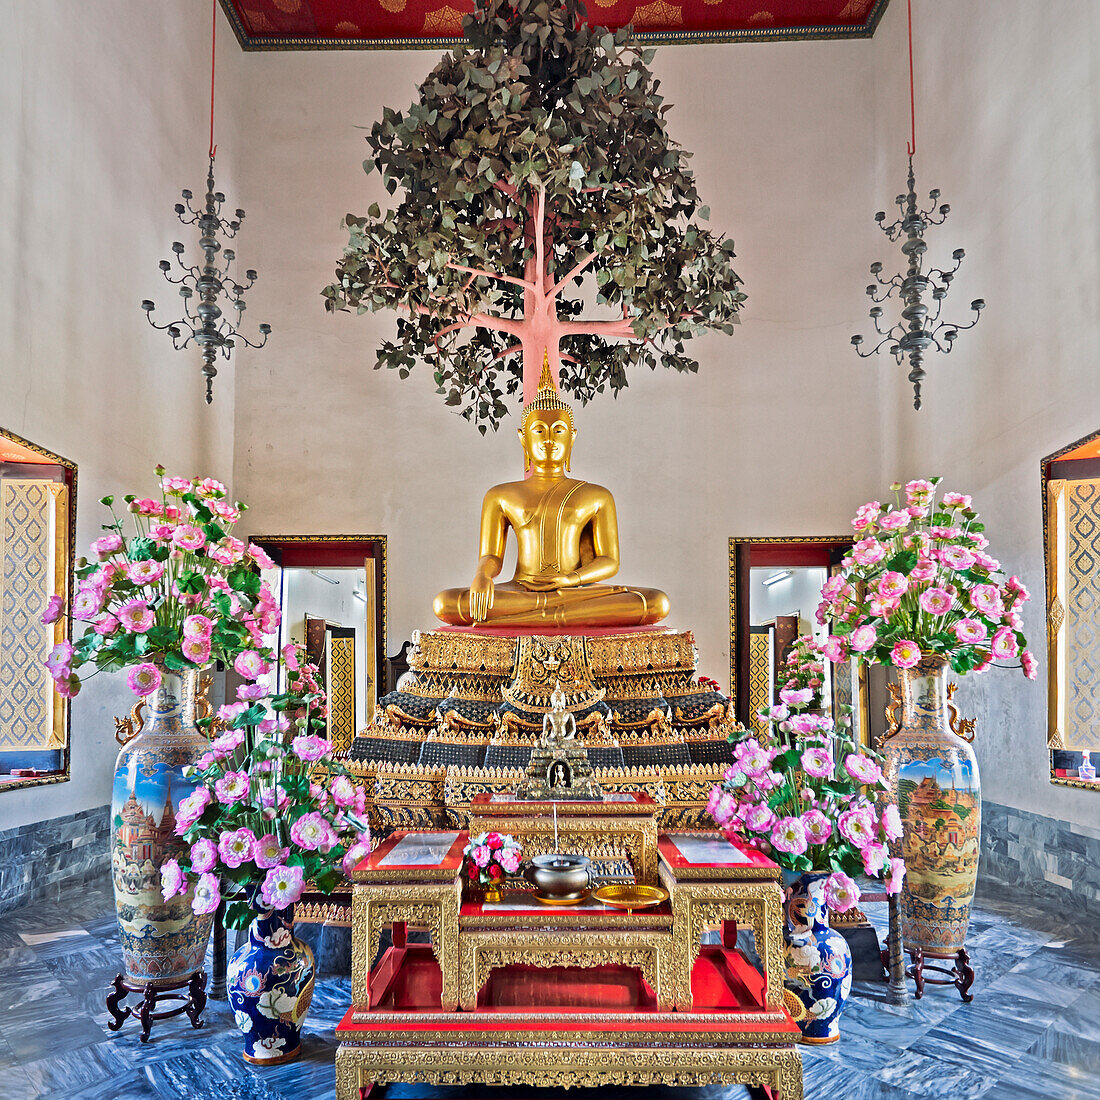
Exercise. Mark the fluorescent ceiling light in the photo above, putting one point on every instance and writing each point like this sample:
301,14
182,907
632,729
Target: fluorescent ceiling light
324,577
359,595
775,578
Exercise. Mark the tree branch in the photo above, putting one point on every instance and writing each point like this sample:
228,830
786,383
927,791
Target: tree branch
564,282
476,271
540,239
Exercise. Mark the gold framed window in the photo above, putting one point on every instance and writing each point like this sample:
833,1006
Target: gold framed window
1071,505
37,512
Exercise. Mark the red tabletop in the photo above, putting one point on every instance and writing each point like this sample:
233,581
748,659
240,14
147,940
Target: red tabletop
742,862
384,859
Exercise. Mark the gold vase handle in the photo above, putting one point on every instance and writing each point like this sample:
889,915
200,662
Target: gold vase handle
960,727
893,711
126,729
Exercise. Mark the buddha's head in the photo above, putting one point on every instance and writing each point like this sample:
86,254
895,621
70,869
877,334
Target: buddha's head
546,429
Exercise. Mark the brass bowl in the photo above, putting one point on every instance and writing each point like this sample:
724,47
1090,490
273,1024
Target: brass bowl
568,899
628,895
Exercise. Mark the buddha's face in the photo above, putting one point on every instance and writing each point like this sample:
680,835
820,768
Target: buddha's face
547,438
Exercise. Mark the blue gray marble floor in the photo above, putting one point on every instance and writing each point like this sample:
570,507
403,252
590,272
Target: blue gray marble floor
1032,1032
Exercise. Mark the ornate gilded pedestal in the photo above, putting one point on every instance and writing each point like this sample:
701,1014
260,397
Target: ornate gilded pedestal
402,1027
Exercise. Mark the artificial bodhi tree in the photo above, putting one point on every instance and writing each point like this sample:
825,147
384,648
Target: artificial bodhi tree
536,163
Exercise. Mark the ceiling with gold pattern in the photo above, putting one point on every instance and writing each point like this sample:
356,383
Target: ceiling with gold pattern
434,24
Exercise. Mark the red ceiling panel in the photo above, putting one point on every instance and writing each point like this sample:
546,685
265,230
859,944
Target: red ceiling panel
434,24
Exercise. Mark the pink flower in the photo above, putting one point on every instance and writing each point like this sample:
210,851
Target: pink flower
88,603
897,871
144,679
343,791
788,835
311,831
204,856
759,819
106,545
835,649
136,616
481,855
232,787
868,551
283,886
882,609
207,895
818,827
197,626
841,892
892,585
1029,664
225,510
172,879
862,768
189,537
175,486
251,665
891,822
147,571
944,534
936,601
105,625
863,638
67,685
146,507
796,697
196,650
817,762
60,659
986,598
252,691
354,856
969,631
161,533
290,657
956,557
856,826
191,809
269,853
236,847
866,515
753,758
227,744
956,500
924,570
310,747
54,610
905,654
228,711
510,860
1004,644
260,556
874,858
894,521
1016,587
208,487
918,492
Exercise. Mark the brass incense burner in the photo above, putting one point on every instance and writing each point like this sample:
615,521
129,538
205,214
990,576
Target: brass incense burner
559,877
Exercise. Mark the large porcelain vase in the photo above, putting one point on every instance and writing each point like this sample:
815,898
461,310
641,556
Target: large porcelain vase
163,943
933,777
817,957
270,986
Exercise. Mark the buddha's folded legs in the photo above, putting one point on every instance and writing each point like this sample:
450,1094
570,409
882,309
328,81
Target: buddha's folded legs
590,605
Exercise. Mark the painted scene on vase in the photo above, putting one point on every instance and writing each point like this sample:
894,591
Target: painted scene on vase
939,799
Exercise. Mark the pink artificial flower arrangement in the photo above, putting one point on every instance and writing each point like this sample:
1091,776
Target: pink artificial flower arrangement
491,857
805,795
178,594
919,582
272,811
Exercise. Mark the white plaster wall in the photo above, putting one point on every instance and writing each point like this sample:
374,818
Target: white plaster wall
782,137
1008,115
102,123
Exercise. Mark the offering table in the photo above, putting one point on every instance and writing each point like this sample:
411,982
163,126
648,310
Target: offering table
578,995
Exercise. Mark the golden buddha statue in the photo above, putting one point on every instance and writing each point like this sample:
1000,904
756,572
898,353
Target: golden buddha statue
567,538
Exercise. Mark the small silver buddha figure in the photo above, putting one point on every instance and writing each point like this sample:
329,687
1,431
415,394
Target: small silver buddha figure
559,727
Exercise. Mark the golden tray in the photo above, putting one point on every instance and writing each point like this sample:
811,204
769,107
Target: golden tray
630,895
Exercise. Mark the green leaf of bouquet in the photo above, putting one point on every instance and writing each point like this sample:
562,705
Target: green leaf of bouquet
903,561
244,580
238,914
328,880
191,582
176,662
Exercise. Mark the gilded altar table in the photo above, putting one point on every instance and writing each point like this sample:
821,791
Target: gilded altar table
578,995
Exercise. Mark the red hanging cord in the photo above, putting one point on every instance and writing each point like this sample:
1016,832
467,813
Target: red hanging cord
911,145
213,54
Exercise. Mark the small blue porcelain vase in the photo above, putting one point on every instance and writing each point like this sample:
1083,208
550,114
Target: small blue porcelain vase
819,963
270,986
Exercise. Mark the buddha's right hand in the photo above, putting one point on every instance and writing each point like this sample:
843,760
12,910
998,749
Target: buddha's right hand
481,598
